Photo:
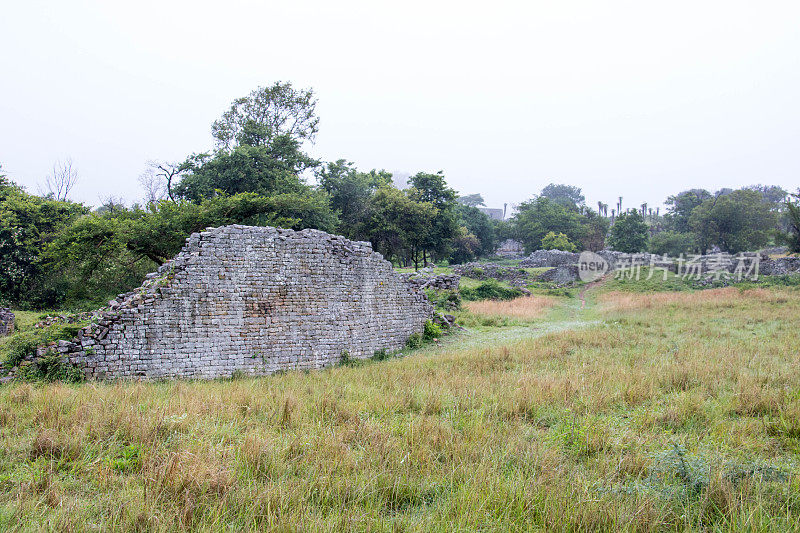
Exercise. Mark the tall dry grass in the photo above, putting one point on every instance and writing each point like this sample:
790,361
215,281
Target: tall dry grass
728,296
524,308
571,431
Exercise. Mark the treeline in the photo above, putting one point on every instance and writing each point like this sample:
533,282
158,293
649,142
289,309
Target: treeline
57,253
695,221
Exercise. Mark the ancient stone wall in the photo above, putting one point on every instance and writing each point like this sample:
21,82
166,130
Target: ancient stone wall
253,300
510,249
549,258
515,276
6,322
426,280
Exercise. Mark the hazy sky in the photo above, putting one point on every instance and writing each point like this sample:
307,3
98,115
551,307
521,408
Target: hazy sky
640,99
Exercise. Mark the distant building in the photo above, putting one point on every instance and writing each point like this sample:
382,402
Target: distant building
494,214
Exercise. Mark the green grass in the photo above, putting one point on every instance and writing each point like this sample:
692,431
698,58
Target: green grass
648,282
25,321
435,270
500,261
26,338
654,411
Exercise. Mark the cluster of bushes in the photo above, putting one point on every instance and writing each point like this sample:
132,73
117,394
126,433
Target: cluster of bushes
23,344
430,333
18,351
444,300
490,289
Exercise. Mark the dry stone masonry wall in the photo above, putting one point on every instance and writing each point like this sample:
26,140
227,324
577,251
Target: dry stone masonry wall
6,322
425,279
253,300
752,264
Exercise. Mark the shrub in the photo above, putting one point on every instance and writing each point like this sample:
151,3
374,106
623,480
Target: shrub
431,331
490,290
24,343
415,341
444,300
380,355
50,368
557,241
672,243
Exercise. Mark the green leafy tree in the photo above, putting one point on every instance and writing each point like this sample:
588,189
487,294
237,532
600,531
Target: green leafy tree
538,217
266,115
680,207
349,191
27,224
595,229
564,195
503,229
629,233
466,246
481,227
257,169
673,243
472,200
437,239
793,211
772,194
557,241
736,222
259,142
397,225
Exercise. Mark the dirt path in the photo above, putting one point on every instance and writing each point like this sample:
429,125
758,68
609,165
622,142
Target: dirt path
585,288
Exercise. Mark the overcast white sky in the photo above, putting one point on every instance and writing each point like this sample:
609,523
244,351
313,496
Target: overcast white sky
640,99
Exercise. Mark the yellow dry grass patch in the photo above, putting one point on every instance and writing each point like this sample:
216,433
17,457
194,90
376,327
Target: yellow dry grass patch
525,308
624,301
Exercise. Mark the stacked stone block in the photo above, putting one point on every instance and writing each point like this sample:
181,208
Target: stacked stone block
252,300
439,282
6,322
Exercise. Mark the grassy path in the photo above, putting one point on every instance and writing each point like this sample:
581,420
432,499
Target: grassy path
568,314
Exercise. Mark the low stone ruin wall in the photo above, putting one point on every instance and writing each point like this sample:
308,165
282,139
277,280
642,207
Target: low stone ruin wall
6,322
560,275
549,258
253,300
514,276
440,282
780,266
510,249
690,264
748,265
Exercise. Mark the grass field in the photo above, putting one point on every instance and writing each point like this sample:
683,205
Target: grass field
641,411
